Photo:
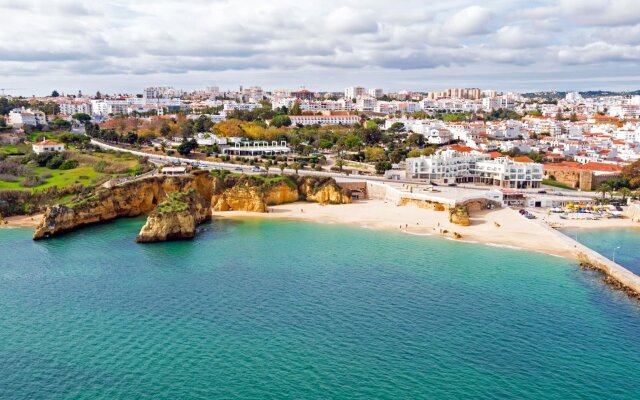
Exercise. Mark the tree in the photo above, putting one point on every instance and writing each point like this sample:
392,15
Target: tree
266,164
604,188
280,120
295,166
625,192
631,173
55,94
165,130
374,154
295,109
340,163
282,167
415,139
187,146
81,117
382,166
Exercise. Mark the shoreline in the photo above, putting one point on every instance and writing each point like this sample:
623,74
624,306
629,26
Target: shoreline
21,221
499,228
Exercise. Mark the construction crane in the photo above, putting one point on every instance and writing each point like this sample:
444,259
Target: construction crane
3,89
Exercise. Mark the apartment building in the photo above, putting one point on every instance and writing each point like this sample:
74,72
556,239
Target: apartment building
461,164
75,107
353,92
20,117
326,119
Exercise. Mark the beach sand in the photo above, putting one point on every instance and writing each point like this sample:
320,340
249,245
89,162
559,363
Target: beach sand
21,221
501,227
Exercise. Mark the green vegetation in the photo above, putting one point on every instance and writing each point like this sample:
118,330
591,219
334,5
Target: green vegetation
174,202
550,182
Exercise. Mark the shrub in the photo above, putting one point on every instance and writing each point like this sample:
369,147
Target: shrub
8,178
31,181
69,164
46,175
100,166
55,162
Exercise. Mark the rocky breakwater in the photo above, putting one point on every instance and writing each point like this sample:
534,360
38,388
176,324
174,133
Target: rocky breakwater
176,217
128,200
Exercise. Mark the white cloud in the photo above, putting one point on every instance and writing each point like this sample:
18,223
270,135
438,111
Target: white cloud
346,20
472,20
282,40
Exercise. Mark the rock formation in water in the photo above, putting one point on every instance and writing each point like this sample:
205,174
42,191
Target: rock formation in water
128,200
211,191
176,217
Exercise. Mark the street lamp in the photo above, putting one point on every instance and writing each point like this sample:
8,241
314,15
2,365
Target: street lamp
614,253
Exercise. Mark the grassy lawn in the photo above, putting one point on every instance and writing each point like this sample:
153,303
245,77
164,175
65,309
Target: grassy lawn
84,174
9,149
557,184
59,178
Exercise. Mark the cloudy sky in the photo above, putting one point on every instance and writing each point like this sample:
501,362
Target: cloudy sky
118,45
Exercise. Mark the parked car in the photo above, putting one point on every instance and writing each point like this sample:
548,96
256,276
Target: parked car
237,169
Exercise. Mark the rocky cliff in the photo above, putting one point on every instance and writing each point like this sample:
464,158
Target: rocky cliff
322,190
459,215
128,200
255,193
176,217
218,191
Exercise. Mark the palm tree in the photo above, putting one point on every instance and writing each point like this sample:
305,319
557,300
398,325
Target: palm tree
624,192
282,166
267,164
604,188
340,163
295,166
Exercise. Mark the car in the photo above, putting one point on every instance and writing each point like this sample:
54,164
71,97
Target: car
237,169
542,191
453,184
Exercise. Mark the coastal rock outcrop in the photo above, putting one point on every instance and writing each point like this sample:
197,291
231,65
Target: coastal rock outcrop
426,204
239,198
459,215
127,200
322,190
217,191
176,217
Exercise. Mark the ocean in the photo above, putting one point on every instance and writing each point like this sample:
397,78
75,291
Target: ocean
625,241
291,310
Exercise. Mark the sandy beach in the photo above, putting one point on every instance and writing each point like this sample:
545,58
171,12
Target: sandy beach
501,227
21,221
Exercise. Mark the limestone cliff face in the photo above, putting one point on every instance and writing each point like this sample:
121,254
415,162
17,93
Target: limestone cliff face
239,198
281,193
322,190
129,200
430,205
177,217
459,215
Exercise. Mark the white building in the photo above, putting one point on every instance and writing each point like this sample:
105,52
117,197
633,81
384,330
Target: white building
461,165
375,93
20,117
365,103
354,92
75,107
47,145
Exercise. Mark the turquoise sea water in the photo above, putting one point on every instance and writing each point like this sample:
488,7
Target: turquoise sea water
288,310
604,241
